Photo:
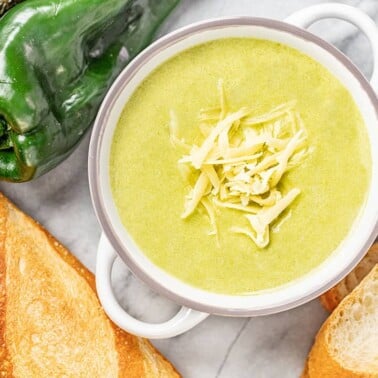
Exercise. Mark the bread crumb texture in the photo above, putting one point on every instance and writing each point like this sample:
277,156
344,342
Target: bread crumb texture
347,344
51,321
334,296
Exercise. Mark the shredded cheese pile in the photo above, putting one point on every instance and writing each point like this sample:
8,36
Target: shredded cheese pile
240,163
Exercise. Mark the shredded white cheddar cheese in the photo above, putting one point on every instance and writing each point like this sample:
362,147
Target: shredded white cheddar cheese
240,163
261,221
173,132
196,194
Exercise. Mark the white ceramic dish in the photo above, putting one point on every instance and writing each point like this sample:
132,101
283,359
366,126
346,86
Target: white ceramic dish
115,239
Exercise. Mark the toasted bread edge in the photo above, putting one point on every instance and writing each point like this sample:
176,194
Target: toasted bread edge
153,365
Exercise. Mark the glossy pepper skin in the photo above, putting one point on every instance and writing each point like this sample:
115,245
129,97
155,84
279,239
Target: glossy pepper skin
57,61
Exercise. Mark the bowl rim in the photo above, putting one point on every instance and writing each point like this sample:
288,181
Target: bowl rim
98,132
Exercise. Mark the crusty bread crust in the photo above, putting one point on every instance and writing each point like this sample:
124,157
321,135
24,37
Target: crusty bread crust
5,363
305,371
322,363
334,296
130,356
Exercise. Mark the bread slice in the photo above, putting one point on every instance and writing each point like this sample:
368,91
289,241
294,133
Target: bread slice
347,344
334,296
51,321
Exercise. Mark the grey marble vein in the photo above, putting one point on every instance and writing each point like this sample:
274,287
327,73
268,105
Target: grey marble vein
266,347
231,346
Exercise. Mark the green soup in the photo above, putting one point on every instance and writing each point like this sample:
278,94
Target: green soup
149,192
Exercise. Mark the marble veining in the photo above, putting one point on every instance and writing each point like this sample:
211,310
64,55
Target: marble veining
266,347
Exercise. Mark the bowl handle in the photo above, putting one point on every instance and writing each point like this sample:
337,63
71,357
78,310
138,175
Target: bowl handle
183,321
307,16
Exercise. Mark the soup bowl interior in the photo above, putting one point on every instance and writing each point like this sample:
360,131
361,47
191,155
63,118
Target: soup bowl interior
301,290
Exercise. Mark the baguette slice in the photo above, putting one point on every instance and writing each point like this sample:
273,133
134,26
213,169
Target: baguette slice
334,296
347,344
51,321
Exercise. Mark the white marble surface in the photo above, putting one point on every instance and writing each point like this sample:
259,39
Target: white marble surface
268,347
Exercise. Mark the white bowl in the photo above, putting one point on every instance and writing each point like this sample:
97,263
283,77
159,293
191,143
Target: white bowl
116,239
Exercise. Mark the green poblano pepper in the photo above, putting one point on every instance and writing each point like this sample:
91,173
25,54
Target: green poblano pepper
57,60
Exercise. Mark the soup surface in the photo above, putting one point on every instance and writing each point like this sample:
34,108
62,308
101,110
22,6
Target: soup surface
149,191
